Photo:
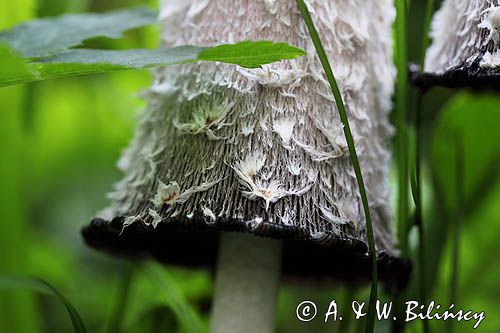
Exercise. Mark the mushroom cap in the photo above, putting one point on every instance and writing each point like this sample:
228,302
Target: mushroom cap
465,46
194,244
225,149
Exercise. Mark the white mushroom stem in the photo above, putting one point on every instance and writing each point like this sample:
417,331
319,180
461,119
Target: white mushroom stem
247,281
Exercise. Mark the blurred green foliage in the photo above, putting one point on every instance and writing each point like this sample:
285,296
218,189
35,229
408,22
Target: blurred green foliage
58,147
17,311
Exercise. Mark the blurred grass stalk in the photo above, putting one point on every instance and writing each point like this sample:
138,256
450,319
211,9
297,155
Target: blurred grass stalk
17,309
401,144
401,124
416,173
116,320
455,254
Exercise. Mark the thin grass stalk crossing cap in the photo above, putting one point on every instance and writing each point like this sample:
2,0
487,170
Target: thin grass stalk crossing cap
262,151
465,49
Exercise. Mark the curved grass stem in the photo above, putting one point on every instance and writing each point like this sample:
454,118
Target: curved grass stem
459,174
370,322
421,256
122,298
417,185
401,124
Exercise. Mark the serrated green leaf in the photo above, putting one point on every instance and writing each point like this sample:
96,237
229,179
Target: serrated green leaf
40,286
44,37
251,54
85,61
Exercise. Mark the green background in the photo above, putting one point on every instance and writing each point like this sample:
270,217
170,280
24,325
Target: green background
59,142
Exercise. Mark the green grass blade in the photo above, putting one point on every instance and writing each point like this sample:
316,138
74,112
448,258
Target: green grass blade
370,322
401,125
40,286
187,316
117,317
415,174
419,221
455,252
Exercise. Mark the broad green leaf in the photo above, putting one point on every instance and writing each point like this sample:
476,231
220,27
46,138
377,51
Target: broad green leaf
85,61
247,54
138,58
44,37
40,286
251,54
13,68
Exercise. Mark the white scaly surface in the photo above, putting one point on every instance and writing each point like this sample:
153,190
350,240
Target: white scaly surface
266,144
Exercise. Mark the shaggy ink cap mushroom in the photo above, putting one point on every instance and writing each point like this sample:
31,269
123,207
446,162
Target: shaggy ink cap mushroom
465,49
222,149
